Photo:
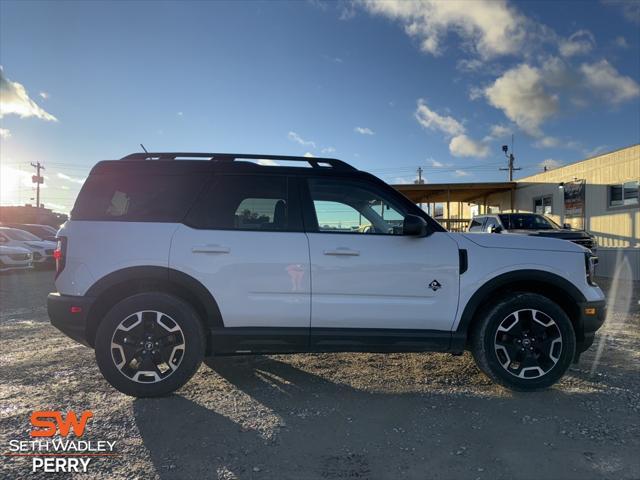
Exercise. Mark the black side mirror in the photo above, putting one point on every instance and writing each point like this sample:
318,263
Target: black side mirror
414,225
495,229
566,226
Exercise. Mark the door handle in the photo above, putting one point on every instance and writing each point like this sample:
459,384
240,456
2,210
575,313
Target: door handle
342,251
210,249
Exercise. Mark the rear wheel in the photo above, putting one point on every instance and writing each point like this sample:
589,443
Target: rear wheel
149,344
525,342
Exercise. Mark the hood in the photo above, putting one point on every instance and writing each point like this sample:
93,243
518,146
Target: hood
6,250
523,242
43,244
564,234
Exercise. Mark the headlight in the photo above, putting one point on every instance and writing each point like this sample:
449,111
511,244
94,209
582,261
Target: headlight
590,261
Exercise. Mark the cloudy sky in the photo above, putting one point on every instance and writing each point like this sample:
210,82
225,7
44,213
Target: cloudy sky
387,86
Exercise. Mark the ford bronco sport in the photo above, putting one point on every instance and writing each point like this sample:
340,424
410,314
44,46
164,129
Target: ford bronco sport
171,257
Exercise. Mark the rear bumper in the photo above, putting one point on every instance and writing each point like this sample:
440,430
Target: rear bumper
73,324
589,323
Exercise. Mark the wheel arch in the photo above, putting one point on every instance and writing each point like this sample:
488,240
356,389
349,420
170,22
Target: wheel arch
123,283
550,285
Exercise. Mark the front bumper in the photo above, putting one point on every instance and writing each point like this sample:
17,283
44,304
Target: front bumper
69,314
592,316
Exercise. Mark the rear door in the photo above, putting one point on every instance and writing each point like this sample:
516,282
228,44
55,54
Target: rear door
366,274
244,242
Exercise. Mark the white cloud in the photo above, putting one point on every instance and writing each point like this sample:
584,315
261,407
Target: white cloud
77,180
363,131
580,43
44,95
547,142
14,100
461,173
550,164
521,95
463,146
434,121
498,132
621,42
629,8
294,137
488,27
606,81
469,65
328,150
460,145
436,164
309,155
5,133
180,114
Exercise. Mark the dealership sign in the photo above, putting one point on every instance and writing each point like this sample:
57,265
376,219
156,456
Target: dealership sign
574,198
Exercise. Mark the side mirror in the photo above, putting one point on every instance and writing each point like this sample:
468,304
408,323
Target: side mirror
414,225
495,229
566,226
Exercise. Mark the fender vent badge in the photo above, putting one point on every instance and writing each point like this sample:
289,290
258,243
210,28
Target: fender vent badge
435,285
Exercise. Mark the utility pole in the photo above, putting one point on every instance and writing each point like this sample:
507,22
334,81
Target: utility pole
419,181
38,180
510,168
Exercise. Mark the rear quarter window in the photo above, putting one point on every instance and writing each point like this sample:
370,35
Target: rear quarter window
137,197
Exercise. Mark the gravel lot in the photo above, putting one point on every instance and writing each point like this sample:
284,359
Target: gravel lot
343,416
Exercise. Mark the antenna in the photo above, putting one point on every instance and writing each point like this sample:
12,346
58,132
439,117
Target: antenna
145,150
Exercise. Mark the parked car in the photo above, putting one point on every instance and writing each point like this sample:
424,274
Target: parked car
531,224
167,259
15,258
43,232
41,250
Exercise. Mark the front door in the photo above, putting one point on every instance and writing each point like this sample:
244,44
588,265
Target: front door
366,274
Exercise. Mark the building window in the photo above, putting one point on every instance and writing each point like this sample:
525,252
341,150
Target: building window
623,194
543,205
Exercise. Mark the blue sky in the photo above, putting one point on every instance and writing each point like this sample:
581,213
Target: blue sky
387,86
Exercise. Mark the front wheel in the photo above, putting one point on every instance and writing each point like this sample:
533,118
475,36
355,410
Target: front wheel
149,344
524,342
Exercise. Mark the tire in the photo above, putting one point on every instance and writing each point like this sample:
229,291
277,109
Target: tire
149,344
524,321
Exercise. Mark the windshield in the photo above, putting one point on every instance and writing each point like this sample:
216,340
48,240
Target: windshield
15,234
527,222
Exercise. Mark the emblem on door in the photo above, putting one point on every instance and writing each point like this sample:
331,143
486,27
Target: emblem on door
435,285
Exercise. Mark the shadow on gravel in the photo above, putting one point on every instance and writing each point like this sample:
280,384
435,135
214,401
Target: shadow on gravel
332,430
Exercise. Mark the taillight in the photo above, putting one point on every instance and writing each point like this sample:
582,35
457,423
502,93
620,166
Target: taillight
60,254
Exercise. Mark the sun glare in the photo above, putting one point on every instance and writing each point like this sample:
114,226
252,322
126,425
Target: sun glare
15,185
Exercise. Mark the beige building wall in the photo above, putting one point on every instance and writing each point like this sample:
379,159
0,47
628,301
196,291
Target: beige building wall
617,229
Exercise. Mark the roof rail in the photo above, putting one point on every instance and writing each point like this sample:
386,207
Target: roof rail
315,162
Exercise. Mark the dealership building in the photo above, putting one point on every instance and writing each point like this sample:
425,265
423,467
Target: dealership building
599,195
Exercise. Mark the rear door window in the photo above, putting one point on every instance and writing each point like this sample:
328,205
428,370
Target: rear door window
248,202
136,197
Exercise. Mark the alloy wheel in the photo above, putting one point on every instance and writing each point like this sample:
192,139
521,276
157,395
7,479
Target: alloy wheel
528,343
147,346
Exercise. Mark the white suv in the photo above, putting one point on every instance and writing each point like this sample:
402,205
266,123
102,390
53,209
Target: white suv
170,257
